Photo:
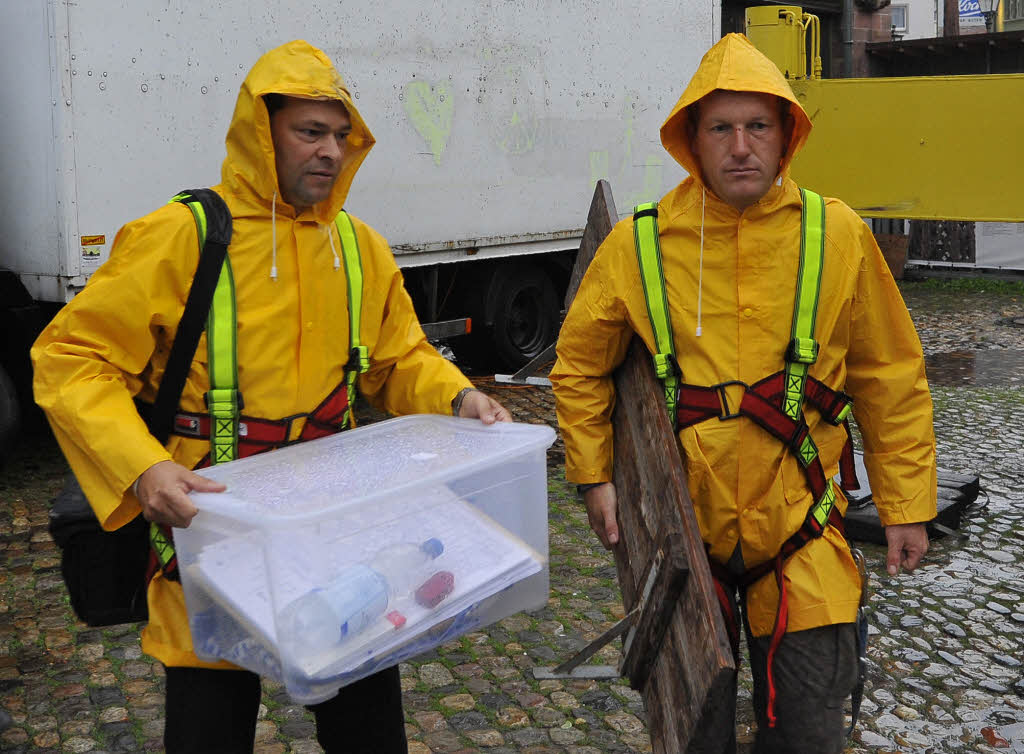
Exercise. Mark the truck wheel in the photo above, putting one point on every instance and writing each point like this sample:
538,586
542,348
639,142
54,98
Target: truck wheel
525,314
10,414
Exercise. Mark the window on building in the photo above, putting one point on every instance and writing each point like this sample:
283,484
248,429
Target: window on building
1014,10
899,14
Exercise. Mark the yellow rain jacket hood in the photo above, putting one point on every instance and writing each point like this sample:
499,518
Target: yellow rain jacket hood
295,69
736,65
110,344
731,280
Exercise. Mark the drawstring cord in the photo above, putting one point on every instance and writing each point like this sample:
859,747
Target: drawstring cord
330,236
273,237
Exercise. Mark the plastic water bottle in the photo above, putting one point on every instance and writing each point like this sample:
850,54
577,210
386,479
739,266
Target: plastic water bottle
359,595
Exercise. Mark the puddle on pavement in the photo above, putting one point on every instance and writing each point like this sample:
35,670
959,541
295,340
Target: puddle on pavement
995,368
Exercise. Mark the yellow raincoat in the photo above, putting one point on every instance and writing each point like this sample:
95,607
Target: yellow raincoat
746,487
111,342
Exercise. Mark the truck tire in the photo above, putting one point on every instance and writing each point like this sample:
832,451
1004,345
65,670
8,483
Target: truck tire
10,414
525,315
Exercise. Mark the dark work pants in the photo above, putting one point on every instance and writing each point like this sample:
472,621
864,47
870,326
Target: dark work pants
815,672
215,711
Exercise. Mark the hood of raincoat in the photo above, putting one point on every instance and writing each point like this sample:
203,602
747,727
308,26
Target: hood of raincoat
733,64
296,69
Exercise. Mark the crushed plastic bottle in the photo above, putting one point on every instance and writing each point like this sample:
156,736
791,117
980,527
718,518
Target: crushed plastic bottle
359,596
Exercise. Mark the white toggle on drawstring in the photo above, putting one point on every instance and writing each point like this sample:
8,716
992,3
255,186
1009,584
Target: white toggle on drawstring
330,236
700,267
273,237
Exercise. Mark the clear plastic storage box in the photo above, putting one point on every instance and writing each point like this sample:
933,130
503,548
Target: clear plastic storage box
327,561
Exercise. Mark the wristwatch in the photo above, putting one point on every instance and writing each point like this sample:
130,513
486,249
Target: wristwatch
459,397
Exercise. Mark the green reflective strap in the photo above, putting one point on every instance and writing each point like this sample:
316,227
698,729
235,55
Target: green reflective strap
359,355
808,452
823,507
198,213
796,376
222,348
162,546
652,276
803,350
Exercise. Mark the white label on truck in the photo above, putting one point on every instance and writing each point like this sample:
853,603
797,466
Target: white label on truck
92,249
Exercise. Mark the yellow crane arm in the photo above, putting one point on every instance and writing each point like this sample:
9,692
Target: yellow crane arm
927,148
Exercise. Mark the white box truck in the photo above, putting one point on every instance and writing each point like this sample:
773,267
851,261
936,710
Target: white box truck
493,120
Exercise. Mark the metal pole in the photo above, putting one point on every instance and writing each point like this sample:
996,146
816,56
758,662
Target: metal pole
847,39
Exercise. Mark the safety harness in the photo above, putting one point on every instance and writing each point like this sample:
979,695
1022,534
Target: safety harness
231,433
774,403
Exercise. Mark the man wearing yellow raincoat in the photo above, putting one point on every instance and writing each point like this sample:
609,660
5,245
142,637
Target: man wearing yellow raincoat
293,148
730,238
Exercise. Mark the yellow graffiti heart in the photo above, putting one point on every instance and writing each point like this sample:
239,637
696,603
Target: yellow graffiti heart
431,110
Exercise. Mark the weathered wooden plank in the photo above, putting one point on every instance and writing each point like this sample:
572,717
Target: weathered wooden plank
692,675
600,219
686,681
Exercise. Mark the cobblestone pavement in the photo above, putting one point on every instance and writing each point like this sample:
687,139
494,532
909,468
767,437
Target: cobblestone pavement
945,669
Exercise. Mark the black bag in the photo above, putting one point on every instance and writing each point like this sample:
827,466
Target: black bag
105,572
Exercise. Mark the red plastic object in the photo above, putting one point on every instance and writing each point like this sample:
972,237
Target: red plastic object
396,618
435,589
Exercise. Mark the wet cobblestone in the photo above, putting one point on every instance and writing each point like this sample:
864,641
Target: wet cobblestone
945,672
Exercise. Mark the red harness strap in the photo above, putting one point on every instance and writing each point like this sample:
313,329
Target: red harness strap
723,577
761,403
831,404
698,403
256,436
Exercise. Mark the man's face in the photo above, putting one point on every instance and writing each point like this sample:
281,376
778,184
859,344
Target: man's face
738,142
309,143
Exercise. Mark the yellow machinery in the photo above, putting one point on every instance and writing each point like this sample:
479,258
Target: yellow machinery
927,148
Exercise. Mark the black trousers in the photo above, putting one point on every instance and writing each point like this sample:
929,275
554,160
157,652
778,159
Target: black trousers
215,711
815,672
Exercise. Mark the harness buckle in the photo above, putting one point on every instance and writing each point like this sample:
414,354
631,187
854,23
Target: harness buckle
358,360
288,421
723,398
802,351
186,425
665,366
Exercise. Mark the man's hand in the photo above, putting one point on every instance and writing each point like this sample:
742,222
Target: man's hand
907,545
162,493
478,405
601,503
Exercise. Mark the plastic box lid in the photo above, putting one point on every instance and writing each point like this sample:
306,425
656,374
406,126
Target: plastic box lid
318,478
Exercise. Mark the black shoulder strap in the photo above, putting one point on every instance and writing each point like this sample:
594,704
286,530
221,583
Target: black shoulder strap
197,307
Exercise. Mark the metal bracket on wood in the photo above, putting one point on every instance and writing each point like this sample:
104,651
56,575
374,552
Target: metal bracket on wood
447,329
644,626
570,668
527,373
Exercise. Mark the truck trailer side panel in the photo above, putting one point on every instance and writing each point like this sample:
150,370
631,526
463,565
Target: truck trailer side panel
493,119
30,144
